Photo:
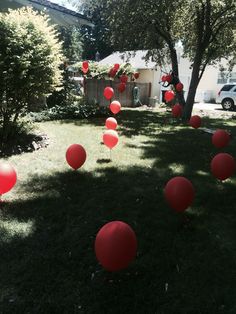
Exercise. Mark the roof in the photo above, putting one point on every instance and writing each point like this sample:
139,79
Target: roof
60,8
135,58
59,14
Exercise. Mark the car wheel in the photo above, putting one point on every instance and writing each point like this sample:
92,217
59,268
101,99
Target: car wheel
227,104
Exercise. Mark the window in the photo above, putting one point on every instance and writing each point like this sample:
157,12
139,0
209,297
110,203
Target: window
232,77
227,88
226,77
222,77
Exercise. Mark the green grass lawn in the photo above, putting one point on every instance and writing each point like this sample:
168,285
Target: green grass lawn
50,220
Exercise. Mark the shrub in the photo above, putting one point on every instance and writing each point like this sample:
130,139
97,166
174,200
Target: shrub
30,55
80,109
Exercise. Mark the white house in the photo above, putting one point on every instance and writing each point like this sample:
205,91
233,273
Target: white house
211,82
59,14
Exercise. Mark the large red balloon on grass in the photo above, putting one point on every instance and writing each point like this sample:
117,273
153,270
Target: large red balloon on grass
8,177
195,121
115,245
220,138
223,166
115,107
169,95
108,93
177,111
111,123
75,156
110,138
179,193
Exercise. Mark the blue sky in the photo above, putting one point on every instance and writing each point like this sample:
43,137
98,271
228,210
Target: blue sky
64,3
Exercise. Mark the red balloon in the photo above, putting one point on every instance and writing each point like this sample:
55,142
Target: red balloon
75,156
220,138
116,66
115,245
179,193
110,138
169,95
8,177
179,87
136,75
112,72
223,166
108,93
111,123
85,67
195,121
124,78
163,78
177,111
85,64
121,87
168,78
115,106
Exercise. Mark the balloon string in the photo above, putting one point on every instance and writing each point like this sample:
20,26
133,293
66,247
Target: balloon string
110,153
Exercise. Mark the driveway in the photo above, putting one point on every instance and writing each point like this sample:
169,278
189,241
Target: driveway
212,110
204,106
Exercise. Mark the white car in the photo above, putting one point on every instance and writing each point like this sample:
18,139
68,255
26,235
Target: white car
227,96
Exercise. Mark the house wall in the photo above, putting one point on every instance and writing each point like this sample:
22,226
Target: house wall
209,82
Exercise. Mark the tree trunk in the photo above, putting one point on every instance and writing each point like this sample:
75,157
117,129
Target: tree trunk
175,69
5,128
192,91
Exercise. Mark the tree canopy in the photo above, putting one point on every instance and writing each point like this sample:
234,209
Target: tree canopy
30,55
206,29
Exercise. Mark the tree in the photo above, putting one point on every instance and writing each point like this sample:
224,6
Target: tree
72,44
95,39
30,55
205,28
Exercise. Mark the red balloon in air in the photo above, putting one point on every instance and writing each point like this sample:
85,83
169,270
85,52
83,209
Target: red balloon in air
220,138
115,245
121,87
110,138
115,107
168,78
108,93
116,66
163,78
179,87
8,177
179,193
195,121
223,166
75,156
136,75
169,95
112,72
111,123
177,111
85,67
124,78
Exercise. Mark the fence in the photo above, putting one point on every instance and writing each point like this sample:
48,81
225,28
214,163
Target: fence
94,92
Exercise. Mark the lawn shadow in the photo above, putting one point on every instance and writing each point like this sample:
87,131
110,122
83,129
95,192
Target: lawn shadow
53,268
104,161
